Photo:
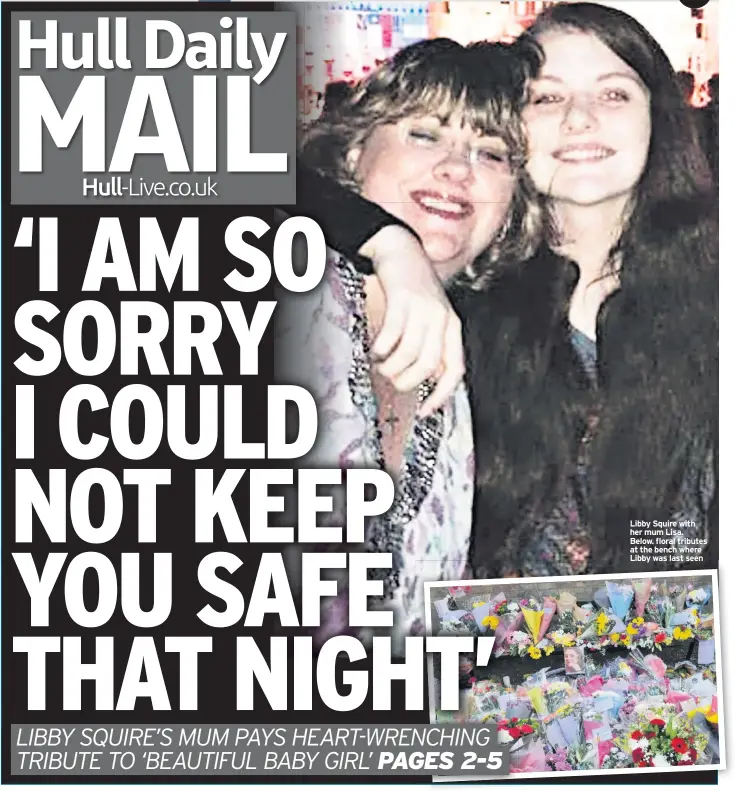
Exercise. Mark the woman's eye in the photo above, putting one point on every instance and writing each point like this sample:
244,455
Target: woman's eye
547,98
490,155
615,95
423,135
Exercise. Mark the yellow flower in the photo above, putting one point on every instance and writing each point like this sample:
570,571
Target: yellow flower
682,634
614,637
624,666
638,621
478,604
631,630
491,620
625,639
535,652
601,619
549,649
667,641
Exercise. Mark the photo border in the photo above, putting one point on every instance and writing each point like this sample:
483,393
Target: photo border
507,581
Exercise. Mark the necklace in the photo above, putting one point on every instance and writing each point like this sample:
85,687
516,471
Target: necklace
391,420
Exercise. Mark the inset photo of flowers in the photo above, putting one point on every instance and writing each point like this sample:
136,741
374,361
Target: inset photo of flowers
591,673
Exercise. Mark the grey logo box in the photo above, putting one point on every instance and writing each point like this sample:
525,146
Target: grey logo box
272,108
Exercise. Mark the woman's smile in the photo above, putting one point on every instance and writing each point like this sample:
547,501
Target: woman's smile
446,206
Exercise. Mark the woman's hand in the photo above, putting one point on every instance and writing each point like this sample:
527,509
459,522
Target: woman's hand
421,336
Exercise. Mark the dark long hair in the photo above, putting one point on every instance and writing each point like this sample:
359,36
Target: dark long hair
657,356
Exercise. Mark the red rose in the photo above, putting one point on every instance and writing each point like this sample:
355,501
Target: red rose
642,763
502,723
659,638
514,720
636,735
638,755
679,745
692,754
515,732
526,729
651,734
660,723
685,763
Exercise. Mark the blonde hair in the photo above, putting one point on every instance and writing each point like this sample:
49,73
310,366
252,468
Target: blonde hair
484,85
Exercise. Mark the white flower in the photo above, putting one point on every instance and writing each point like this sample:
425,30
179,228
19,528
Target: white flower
660,760
513,607
504,737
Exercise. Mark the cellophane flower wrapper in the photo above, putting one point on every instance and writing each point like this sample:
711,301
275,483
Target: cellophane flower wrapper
699,597
536,696
621,597
620,667
572,728
442,606
642,591
458,622
676,698
608,700
680,599
549,610
601,599
592,685
566,602
533,614
661,608
582,615
528,758
559,693
485,700
649,664
459,591
482,611
589,630
509,623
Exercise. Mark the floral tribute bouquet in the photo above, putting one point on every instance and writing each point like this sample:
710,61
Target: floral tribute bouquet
642,593
509,731
655,739
698,597
660,607
566,736
538,616
565,603
621,597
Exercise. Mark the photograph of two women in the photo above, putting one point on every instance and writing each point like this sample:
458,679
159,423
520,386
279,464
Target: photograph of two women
519,315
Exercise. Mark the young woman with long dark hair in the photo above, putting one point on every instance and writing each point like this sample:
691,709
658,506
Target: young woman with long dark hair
592,367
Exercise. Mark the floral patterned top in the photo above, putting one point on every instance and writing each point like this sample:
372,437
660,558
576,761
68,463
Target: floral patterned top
322,344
